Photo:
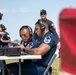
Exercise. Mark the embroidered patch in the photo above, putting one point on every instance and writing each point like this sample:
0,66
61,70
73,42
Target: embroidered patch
30,45
8,35
47,39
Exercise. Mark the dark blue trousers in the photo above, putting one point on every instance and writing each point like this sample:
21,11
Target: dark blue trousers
28,69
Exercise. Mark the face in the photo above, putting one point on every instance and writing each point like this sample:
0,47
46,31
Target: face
43,15
25,34
0,29
37,30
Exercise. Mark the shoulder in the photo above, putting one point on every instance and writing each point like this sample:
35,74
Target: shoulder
34,41
6,33
49,36
21,42
50,39
47,39
49,21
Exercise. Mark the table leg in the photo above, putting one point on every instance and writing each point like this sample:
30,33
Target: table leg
19,66
3,68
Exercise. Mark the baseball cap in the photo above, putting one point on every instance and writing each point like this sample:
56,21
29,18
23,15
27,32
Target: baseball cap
43,11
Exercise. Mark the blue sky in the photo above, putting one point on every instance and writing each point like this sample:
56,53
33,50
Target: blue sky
26,12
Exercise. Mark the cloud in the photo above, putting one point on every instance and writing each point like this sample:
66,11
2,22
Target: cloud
4,11
22,10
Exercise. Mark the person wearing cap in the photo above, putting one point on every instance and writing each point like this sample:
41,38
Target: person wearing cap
67,25
43,15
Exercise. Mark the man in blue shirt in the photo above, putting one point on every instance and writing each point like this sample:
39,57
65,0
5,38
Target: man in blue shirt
27,40
4,39
26,34
46,48
43,16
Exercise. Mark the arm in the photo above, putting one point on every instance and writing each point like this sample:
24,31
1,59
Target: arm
2,33
41,50
5,38
6,41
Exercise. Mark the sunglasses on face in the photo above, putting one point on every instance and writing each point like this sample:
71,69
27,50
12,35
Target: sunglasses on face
43,14
24,35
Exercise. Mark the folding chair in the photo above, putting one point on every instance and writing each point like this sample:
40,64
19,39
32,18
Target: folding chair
50,64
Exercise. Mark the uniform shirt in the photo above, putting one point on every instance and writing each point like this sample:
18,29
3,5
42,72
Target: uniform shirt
52,28
5,37
50,40
31,43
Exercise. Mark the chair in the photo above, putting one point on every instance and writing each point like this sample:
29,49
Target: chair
50,64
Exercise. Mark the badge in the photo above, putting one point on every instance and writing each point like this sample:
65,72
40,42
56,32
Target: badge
8,35
30,45
47,39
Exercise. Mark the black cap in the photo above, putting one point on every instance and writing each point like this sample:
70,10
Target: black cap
43,11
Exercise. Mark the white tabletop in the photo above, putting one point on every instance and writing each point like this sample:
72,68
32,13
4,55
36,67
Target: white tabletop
20,57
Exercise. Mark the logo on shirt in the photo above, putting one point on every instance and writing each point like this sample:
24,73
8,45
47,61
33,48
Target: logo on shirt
8,35
47,39
30,45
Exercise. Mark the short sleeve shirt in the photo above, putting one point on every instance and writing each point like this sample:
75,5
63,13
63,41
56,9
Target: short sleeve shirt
5,37
50,40
31,44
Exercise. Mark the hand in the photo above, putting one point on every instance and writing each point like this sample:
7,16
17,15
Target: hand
11,47
20,46
29,50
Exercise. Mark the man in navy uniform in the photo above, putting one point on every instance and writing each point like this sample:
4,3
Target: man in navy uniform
4,37
46,48
26,33
27,40
43,15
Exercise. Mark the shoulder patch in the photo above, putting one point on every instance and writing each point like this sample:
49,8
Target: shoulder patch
8,35
47,39
30,45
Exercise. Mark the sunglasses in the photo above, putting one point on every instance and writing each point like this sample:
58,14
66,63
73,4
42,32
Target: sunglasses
43,14
24,35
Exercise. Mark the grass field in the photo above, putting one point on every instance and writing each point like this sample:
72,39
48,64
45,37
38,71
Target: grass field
56,65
